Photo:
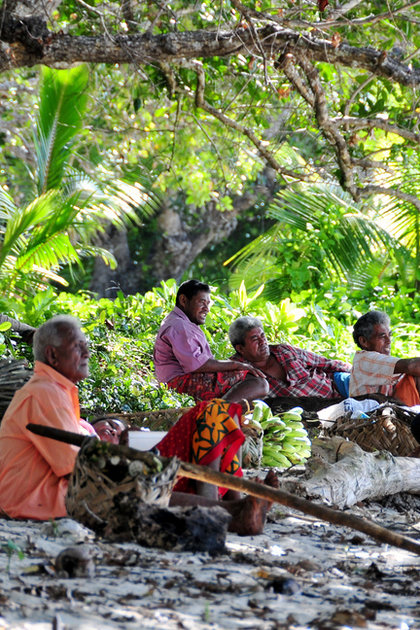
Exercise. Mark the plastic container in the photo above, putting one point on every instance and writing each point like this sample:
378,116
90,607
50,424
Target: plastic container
145,440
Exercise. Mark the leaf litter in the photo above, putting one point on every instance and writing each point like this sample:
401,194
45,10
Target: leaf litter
300,573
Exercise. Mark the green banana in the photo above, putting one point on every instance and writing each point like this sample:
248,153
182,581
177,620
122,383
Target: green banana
285,440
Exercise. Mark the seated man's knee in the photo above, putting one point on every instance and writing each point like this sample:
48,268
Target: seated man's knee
260,387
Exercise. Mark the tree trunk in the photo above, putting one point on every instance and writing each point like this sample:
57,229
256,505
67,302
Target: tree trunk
342,474
179,242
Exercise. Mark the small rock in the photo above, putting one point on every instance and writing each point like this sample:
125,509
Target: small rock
75,561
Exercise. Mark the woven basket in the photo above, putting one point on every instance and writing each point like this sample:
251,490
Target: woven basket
156,420
104,470
252,448
374,434
13,375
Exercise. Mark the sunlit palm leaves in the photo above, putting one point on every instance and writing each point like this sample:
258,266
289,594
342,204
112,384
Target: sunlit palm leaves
331,234
402,216
62,104
61,224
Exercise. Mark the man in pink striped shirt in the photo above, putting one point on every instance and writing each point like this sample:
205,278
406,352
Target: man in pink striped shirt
375,370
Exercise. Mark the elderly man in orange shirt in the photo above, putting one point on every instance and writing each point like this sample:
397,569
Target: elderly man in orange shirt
33,472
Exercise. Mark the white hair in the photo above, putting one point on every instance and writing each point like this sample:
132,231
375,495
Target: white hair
239,328
52,333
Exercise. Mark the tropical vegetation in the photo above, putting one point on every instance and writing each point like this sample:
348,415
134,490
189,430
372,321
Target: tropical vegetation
268,148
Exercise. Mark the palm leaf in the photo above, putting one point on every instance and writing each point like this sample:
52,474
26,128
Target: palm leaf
62,103
322,223
47,253
22,221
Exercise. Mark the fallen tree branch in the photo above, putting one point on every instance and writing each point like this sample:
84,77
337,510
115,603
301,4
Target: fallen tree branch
336,517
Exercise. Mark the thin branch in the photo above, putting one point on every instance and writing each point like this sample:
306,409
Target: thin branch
356,93
215,148
372,189
344,8
376,123
233,124
246,14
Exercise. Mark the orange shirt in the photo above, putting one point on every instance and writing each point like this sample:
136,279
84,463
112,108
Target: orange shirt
32,467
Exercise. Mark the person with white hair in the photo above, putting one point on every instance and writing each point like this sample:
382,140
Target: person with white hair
289,370
375,370
33,470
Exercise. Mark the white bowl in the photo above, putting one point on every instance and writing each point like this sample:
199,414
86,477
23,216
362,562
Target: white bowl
145,440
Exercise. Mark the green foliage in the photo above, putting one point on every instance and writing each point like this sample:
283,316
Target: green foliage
321,239
11,548
62,104
60,225
122,334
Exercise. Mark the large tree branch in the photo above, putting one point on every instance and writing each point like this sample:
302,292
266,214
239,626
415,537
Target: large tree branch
371,189
58,48
315,97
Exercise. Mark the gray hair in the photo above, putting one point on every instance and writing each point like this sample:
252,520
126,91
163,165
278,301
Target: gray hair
239,328
52,333
367,322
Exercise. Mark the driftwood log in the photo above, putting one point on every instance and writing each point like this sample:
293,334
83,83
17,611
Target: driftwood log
342,474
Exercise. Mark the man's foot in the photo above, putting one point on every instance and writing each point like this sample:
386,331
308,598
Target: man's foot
271,479
249,514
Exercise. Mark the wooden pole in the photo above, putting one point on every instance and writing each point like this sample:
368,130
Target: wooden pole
336,517
260,490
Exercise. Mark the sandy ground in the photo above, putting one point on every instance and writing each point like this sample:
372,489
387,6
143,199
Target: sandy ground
301,573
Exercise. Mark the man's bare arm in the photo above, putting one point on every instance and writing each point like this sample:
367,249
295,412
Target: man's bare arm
408,366
215,365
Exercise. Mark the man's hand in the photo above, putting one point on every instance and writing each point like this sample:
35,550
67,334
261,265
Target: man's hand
251,368
408,366
214,365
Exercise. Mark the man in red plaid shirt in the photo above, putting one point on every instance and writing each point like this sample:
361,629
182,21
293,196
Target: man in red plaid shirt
290,371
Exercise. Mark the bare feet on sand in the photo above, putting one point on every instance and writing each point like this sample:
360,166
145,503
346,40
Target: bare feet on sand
249,514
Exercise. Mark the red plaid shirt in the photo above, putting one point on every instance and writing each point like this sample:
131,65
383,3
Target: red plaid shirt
307,373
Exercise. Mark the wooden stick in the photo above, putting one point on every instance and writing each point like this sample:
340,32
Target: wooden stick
260,490
337,517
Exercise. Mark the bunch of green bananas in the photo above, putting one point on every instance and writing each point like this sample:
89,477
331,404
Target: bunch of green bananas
285,440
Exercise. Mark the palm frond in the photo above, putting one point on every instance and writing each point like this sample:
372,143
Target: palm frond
346,234
7,207
62,103
47,253
22,221
319,231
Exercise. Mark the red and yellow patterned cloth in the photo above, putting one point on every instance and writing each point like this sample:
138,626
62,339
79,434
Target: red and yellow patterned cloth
205,433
